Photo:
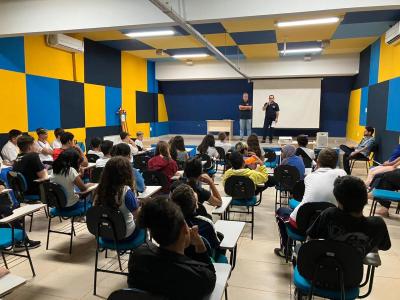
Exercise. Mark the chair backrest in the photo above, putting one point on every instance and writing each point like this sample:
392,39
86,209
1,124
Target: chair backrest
17,183
298,190
205,157
181,164
92,158
325,261
155,178
133,294
308,213
306,159
239,187
269,155
286,176
140,162
95,174
54,194
374,150
221,153
106,223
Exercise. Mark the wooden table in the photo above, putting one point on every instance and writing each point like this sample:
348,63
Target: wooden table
220,126
10,282
231,231
149,191
222,271
21,212
223,210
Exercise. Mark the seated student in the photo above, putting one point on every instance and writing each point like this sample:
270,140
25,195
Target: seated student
139,140
318,188
117,190
254,146
105,148
361,151
124,150
178,150
302,141
44,149
10,149
250,159
67,142
163,162
66,174
207,146
258,176
346,223
125,138
6,209
57,142
28,163
289,157
164,269
223,143
194,178
95,147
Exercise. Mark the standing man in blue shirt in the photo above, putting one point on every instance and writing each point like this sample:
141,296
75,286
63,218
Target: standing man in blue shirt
271,109
245,115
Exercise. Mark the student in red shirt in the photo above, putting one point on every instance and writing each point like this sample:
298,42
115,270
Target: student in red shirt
67,142
162,161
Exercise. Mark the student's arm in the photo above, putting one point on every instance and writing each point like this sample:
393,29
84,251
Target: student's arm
84,162
215,198
79,183
131,203
42,174
277,116
139,181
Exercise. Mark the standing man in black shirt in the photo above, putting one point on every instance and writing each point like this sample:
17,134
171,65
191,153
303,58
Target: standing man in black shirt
245,115
271,115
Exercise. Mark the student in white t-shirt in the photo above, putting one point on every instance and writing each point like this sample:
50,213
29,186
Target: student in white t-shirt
57,142
207,146
125,138
105,147
139,140
66,174
95,147
10,150
43,147
223,143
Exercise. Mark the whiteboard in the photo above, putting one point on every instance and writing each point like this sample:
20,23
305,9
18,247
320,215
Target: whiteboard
298,100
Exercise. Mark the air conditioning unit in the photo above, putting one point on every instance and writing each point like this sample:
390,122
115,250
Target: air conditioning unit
65,42
392,36
322,139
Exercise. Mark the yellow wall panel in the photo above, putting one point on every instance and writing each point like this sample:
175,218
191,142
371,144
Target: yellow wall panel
79,134
144,127
134,72
162,109
389,61
13,100
354,130
95,105
50,62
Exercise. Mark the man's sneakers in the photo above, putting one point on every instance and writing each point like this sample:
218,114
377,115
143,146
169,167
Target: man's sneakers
18,247
279,252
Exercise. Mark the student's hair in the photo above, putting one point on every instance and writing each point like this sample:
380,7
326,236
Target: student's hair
106,146
24,142
162,148
41,130
58,132
370,129
67,159
139,133
222,136
116,175
351,193
208,141
302,140
183,195
163,218
242,147
254,144
193,168
177,144
236,160
13,133
95,142
327,158
123,135
121,149
66,137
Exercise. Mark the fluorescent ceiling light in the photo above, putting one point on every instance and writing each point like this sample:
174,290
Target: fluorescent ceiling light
194,55
139,34
308,22
304,50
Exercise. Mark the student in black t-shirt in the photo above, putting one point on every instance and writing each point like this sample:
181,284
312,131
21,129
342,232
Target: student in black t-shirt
271,109
245,115
28,163
347,223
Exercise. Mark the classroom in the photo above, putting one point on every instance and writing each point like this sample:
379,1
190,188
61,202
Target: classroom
195,150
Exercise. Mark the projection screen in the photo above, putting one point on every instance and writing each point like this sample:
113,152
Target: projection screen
298,100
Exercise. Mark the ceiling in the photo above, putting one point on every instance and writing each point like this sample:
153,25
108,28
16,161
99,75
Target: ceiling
252,38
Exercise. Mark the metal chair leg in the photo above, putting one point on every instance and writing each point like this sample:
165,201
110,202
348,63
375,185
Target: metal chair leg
4,259
252,222
95,272
29,258
48,234
72,235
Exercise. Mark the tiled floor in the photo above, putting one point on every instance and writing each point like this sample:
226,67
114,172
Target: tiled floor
259,274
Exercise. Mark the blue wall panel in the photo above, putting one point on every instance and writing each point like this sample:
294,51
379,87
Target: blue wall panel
152,85
43,102
393,111
12,56
364,106
113,104
374,62
159,128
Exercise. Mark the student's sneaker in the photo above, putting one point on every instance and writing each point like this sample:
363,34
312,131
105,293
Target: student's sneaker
31,245
279,252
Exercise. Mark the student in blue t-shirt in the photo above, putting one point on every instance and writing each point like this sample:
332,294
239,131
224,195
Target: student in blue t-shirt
290,158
